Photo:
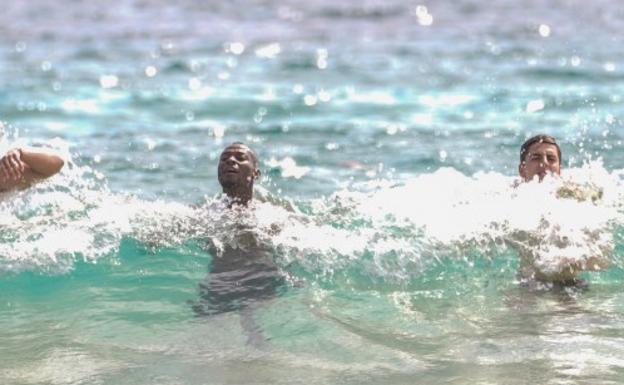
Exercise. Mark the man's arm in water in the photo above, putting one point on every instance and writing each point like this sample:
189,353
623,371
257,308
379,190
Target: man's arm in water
564,269
21,167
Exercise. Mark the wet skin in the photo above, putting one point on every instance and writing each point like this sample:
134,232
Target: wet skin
541,159
237,171
243,273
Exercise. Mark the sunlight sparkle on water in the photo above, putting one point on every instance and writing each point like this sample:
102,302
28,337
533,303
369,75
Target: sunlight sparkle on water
544,30
444,100
236,48
297,89
20,46
268,94
217,129
194,84
87,105
310,100
394,128
535,105
610,119
150,71
321,58
423,16
324,96
231,62
150,144
289,167
57,126
200,93
109,81
46,66
575,61
269,51
423,119
374,97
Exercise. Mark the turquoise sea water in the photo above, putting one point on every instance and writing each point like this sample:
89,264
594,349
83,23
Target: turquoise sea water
388,135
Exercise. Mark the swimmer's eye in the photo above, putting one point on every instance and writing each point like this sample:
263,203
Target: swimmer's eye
238,157
539,157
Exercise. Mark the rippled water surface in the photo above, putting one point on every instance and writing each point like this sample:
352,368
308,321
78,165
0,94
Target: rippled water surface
383,245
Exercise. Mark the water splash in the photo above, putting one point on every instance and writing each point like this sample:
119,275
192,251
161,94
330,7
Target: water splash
396,231
377,232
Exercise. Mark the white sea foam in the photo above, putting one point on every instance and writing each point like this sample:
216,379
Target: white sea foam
554,224
390,230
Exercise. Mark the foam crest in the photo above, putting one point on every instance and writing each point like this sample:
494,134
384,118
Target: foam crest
561,222
69,217
382,230
336,235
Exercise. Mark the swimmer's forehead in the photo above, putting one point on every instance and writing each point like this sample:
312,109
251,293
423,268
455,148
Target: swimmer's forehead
236,147
537,140
542,148
239,149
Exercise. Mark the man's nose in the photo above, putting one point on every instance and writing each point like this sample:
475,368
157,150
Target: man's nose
230,161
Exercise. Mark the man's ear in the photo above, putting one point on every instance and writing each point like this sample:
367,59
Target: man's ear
521,169
256,174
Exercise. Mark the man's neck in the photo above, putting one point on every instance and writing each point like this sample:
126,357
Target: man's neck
238,196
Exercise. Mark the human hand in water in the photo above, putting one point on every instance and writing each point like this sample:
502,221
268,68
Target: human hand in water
11,165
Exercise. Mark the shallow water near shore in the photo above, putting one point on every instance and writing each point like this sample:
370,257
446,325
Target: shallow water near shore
388,135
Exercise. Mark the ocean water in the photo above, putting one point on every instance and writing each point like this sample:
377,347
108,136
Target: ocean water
383,245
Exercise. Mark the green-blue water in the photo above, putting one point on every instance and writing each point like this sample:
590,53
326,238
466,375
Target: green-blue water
388,135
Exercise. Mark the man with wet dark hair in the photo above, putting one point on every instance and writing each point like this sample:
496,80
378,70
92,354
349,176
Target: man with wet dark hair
539,155
237,172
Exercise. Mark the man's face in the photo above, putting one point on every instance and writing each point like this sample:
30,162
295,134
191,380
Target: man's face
541,158
237,167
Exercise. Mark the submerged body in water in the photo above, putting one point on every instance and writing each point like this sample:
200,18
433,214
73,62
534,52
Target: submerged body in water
540,155
241,275
243,271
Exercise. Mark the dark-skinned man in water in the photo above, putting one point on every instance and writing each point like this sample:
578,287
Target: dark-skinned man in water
237,172
540,156
243,273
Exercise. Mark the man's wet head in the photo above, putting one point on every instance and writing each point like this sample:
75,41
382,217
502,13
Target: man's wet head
539,155
237,171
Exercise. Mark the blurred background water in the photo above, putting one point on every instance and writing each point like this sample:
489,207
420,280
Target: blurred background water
392,128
